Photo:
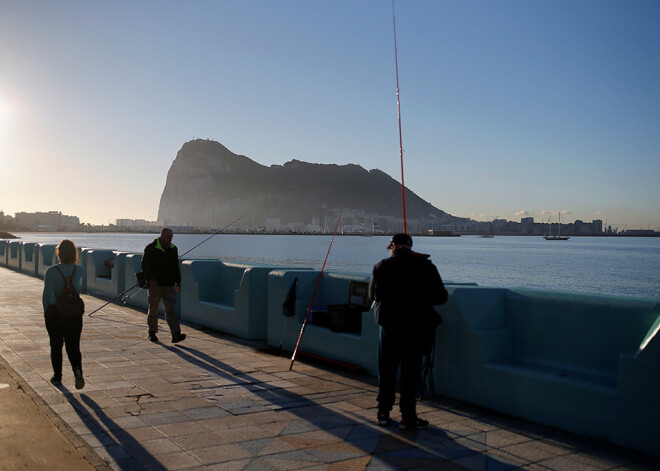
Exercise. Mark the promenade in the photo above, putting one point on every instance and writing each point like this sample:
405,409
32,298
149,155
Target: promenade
216,402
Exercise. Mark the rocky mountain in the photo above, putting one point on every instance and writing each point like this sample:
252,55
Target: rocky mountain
209,186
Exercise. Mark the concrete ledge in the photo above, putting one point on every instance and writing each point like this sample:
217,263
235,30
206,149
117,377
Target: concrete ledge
3,252
46,258
14,254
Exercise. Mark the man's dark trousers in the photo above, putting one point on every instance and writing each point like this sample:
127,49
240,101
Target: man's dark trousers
396,349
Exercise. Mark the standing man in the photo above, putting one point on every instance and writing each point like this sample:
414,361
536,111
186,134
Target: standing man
405,287
160,265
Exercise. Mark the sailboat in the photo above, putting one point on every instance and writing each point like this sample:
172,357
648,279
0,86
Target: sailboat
558,236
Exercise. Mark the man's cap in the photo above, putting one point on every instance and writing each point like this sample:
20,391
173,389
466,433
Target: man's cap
400,239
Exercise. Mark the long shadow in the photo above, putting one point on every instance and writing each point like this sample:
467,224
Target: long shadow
431,443
125,450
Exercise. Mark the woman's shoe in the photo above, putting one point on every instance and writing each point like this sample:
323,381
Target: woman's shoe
56,379
80,381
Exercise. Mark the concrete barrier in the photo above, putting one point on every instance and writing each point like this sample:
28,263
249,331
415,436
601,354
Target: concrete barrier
3,252
46,258
29,258
14,254
136,296
229,297
99,270
553,358
354,348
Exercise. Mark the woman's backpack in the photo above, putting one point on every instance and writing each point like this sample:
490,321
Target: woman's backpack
70,305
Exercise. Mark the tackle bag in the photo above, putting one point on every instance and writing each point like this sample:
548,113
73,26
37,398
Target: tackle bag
70,305
142,280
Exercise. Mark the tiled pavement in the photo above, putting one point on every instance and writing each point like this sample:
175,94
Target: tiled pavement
218,402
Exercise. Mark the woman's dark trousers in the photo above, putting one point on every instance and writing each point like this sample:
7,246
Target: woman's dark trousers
64,332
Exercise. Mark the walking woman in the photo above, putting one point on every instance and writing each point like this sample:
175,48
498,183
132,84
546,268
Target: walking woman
63,329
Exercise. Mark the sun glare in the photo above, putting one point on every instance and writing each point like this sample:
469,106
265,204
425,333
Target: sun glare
4,115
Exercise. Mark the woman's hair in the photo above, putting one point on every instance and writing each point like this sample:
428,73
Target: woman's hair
67,252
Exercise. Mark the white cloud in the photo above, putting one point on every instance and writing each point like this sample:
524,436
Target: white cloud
521,213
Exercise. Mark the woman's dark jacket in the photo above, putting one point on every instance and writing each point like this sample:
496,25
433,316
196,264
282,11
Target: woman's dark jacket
405,287
161,264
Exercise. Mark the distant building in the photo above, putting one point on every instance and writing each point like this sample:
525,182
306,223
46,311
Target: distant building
137,224
48,221
273,224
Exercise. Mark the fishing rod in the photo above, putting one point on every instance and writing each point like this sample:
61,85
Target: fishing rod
142,282
311,303
398,107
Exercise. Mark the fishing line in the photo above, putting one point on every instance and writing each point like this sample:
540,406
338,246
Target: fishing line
123,295
318,282
398,107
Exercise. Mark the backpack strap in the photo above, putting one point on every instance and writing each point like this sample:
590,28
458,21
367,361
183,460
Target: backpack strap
70,280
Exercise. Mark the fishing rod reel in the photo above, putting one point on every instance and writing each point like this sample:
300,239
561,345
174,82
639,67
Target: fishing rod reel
142,283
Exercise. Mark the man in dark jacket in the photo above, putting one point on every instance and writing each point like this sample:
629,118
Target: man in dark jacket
160,265
405,287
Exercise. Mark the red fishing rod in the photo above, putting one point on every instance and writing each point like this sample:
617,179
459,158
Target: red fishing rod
398,107
311,303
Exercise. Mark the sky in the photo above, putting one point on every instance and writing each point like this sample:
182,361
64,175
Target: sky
509,108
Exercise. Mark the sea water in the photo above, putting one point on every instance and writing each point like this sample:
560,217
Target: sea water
627,266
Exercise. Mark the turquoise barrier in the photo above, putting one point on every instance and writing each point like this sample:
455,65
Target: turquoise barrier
136,296
99,269
14,254
3,252
229,297
354,344
553,358
29,258
46,258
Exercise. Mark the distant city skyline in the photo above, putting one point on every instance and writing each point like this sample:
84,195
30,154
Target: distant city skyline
355,221
509,109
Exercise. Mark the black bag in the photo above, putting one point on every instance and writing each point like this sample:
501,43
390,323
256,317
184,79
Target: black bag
70,305
142,281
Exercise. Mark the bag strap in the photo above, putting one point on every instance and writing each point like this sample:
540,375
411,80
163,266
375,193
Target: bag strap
70,280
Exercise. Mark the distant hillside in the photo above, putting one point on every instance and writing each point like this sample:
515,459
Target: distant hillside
208,185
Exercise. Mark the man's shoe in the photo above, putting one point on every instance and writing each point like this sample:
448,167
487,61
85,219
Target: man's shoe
80,381
178,338
413,424
383,418
56,379
152,337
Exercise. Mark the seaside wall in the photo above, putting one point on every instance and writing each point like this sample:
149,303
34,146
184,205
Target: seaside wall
46,258
583,363
4,249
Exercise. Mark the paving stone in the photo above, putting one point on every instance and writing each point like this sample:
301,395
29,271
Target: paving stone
220,454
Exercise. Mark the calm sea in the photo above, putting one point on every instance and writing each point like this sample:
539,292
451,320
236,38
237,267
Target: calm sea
606,265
